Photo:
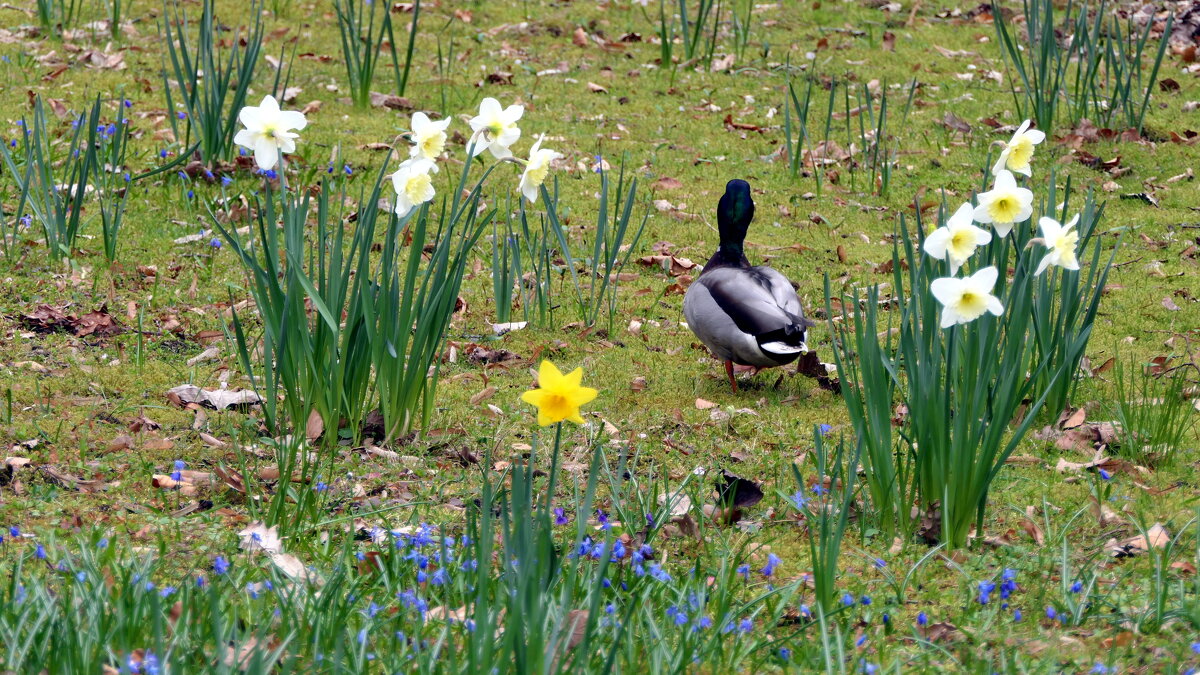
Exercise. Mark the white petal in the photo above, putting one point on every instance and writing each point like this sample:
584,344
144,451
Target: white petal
509,136
419,121
292,119
266,153
1043,265
982,236
1049,227
981,214
963,216
994,305
1036,136
1004,182
500,151
512,113
949,317
1071,223
251,117
946,290
244,138
1002,229
1024,171
1000,162
489,107
1021,129
936,242
985,279
269,107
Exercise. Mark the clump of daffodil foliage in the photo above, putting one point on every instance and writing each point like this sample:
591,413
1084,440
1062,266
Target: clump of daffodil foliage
985,341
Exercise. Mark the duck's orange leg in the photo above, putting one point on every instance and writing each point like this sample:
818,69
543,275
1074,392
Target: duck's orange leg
729,372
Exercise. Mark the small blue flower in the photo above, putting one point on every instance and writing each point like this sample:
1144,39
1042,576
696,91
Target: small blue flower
560,517
1051,613
1101,669
847,600
824,429
81,577
103,543
215,243
226,180
772,564
798,499
1077,587
181,115
880,563
40,553
1105,475
1016,615
785,653
743,570
922,619
865,600
162,153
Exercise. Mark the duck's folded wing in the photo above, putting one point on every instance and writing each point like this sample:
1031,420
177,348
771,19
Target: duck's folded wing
750,305
781,290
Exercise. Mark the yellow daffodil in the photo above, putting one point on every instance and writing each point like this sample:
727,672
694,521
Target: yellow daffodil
1061,240
1005,204
558,397
1019,150
958,240
964,300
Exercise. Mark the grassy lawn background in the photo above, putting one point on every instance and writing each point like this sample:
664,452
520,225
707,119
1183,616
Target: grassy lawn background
587,75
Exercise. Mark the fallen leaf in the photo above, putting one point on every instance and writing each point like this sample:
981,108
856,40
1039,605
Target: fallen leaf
259,537
214,398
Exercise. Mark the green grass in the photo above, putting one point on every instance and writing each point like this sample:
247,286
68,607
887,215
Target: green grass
69,397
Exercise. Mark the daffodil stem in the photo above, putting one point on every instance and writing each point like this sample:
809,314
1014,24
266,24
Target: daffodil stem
553,468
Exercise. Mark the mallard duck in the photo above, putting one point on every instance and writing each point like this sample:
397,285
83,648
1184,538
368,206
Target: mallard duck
746,315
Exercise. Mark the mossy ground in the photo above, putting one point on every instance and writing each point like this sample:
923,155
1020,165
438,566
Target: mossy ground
76,401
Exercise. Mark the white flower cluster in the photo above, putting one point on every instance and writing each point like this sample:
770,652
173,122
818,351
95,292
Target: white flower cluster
270,132
1003,207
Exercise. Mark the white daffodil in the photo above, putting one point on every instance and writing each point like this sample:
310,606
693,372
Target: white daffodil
1061,241
1005,204
536,169
413,181
428,137
268,131
964,300
1019,150
958,240
495,129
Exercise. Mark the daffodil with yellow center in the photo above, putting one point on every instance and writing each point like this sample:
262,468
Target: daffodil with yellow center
1061,241
1005,204
558,397
964,300
958,240
429,137
413,184
1019,150
536,170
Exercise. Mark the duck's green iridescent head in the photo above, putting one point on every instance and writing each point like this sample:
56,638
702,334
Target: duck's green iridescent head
734,213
